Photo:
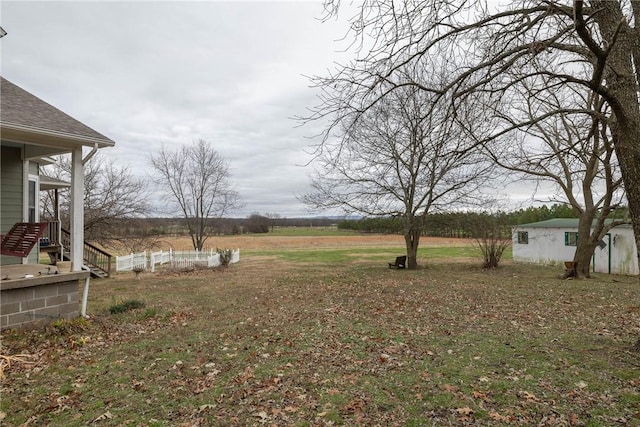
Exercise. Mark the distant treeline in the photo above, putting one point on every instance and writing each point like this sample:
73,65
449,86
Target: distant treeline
451,224
463,224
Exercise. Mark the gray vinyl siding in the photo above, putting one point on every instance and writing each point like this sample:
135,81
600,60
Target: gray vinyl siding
10,193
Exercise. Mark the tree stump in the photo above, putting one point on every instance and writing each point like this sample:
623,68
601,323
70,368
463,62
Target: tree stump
570,269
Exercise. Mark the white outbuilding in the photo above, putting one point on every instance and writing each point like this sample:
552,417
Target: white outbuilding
554,242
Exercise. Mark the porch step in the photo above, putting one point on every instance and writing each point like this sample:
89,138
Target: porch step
98,273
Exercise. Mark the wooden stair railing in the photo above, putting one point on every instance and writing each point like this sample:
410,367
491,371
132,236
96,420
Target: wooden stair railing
96,259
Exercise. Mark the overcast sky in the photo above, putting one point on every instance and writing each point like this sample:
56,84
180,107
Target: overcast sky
149,73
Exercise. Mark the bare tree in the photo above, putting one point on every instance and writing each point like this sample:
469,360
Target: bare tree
197,179
400,158
544,44
273,219
112,196
574,152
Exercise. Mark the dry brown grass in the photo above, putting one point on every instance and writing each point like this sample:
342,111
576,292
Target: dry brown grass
268,241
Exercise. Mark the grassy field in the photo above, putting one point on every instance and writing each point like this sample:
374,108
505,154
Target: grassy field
320,332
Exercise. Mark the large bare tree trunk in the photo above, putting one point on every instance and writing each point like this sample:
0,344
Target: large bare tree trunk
629,143
627,132
587,242
622,94
412,239
624,86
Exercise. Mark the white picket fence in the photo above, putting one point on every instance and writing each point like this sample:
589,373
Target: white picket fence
176,259
159,258
132,261
188,259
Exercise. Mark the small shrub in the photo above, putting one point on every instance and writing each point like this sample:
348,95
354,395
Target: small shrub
493,237
492,250
138,271
67,327
225,256
150,312
125,306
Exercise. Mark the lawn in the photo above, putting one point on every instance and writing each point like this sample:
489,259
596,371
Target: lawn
311,336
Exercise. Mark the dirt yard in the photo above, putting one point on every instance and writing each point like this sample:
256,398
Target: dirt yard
288,341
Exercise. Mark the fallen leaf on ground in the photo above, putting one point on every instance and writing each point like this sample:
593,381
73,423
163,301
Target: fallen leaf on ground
465,411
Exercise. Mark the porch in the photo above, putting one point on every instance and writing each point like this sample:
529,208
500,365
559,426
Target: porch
32,293
41,292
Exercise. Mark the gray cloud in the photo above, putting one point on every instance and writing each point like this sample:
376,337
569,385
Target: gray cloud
153,73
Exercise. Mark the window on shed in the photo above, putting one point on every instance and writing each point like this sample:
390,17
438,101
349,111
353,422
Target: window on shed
571,238
523,237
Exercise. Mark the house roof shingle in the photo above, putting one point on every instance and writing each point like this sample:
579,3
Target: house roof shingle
20,109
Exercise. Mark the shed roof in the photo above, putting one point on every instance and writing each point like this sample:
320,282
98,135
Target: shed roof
561,223
22,111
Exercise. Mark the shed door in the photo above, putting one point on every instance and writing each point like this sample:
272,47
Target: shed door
602,256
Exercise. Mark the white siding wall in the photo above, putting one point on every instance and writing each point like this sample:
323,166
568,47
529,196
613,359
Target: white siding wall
624,253
547,246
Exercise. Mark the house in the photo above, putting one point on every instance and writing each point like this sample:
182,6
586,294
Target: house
554,242
31,131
